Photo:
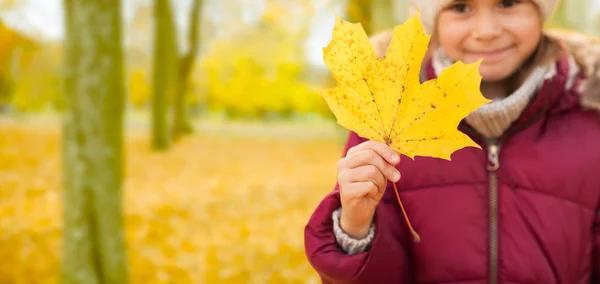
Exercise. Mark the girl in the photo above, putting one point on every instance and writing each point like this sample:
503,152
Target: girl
523,209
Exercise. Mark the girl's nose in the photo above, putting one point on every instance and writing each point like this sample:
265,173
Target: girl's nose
486,26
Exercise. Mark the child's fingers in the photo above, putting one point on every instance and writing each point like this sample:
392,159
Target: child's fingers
369,157
382,149
368,173
363,189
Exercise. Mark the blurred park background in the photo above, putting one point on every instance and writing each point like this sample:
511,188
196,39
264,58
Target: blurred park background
182,141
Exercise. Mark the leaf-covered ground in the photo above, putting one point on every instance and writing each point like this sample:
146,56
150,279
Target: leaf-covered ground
217,208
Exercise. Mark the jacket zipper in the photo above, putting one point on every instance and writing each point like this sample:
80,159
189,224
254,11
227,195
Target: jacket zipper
493,165
493,161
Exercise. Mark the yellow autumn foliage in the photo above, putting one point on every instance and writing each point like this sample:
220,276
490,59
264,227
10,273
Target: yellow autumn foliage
16,51
139,89
218,208
13,41
257,77
37,84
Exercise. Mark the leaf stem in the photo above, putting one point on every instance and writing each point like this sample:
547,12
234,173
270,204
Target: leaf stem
412,231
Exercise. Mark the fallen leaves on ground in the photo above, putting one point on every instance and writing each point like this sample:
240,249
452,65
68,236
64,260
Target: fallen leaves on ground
214,209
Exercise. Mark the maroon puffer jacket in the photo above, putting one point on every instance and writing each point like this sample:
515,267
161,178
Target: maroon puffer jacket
529,216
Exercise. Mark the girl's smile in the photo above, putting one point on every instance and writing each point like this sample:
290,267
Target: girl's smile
490,56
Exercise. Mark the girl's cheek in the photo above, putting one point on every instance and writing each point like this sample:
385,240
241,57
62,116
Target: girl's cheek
450,37
526,29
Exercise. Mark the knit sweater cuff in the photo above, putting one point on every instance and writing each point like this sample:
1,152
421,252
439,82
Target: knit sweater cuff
348,244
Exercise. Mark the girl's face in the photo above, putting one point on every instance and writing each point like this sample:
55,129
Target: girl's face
505,33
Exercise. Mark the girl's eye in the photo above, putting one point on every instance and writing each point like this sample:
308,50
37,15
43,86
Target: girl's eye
460,7
509,3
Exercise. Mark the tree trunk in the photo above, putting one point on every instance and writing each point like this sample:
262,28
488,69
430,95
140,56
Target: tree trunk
559,19
360,11
94,243
382,15
400,10
164,75
181,123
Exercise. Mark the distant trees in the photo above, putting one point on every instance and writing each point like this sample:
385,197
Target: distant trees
164,74
16,53
374,15
171,74
185,64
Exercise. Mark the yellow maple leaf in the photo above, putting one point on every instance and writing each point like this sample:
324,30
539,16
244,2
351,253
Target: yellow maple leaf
382,99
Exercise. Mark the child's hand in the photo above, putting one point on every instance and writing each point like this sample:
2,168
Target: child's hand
362,178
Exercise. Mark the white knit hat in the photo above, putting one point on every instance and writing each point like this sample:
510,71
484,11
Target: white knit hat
430,8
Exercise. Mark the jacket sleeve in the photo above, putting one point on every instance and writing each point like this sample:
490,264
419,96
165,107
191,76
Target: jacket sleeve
385,261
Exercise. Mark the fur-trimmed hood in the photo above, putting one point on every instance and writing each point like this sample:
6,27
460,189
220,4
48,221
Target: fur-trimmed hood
583,48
